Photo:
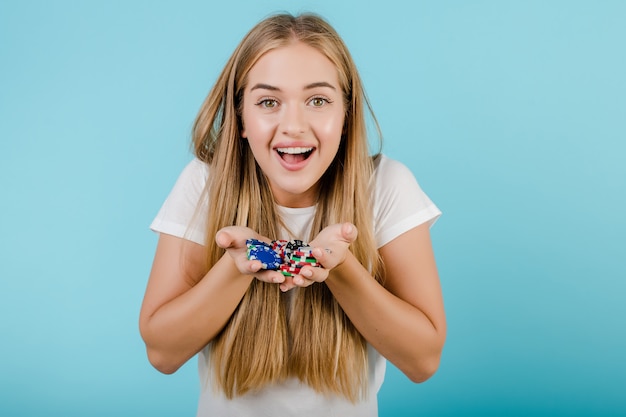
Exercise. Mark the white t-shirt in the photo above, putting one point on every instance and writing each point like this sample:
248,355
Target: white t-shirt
399,205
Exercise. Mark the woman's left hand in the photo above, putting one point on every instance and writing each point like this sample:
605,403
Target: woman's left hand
330,248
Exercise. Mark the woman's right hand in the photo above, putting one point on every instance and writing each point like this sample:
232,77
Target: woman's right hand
233,239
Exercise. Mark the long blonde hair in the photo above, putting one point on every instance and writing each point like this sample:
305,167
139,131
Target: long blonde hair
261,343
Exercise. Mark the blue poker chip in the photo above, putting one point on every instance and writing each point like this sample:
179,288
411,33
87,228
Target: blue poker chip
256,242
268,257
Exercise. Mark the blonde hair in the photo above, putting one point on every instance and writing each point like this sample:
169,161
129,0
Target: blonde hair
261,343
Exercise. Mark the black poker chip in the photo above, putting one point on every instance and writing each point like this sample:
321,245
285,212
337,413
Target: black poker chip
294,245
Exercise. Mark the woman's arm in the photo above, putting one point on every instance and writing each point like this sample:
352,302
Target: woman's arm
185,307
405,319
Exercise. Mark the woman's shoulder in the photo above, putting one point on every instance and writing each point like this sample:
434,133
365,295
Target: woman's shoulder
197,167
193,176
178,214
399,202
388,170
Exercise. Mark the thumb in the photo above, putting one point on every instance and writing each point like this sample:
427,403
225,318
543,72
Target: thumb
224,239
349,232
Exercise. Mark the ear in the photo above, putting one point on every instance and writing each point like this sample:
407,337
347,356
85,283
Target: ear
242,132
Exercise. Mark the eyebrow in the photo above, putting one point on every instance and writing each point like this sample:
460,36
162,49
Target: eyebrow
306,87
319,84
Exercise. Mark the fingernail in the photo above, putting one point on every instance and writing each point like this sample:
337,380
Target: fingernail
307,273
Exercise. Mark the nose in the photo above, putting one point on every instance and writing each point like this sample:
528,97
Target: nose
293,121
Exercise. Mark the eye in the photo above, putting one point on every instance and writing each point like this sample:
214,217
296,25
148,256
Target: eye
267,103
319,101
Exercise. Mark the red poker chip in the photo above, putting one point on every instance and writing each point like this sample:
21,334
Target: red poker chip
305,254
290,268
278,243
289,271
301,264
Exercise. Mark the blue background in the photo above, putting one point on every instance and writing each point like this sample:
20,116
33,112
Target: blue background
512,115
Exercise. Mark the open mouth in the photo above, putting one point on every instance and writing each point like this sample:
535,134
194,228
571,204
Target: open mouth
294,155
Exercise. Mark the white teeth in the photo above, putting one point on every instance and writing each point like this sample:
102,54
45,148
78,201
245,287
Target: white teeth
294,151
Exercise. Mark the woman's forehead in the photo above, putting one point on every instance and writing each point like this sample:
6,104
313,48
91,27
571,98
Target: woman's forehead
294,66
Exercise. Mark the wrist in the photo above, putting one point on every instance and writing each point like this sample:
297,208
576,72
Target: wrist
347,269
228,268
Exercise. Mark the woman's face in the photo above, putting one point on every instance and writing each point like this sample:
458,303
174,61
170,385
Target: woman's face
293,116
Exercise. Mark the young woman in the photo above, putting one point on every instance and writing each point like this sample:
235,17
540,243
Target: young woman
282,153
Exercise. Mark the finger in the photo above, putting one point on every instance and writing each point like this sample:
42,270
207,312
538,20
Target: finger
323,255
301,281
272,277
314,274
287,284
318,253
254,266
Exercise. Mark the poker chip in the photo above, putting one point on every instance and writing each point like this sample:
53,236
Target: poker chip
266,255
289,270
302,264
287,256
279,247
277,244
256,242
302,254
292,246
308,259
303,261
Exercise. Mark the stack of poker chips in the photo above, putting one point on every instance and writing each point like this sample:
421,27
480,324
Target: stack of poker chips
287,256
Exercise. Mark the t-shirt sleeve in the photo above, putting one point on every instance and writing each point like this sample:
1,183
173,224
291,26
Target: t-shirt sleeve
399,204
181,215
